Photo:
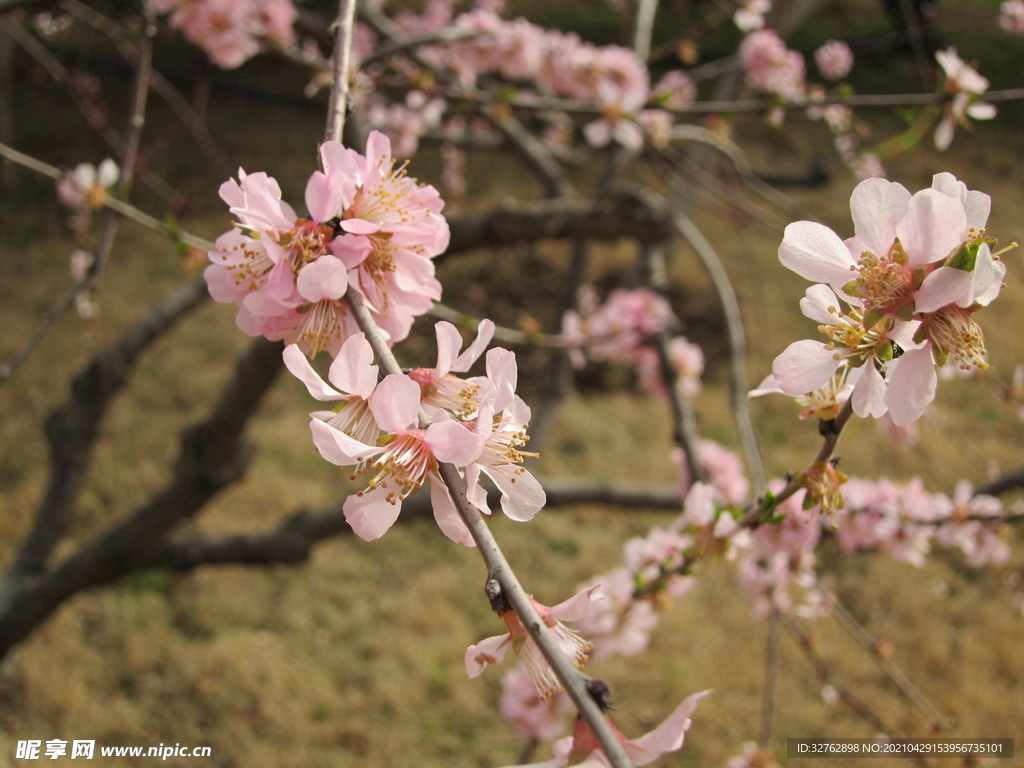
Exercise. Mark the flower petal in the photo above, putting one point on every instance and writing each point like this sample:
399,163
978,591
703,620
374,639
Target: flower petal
876,205
667,737
803,367
325,279
337,447
933,227
489,651
451,442
816,253
946,285
869,392
446,514
372,513
353,370
396,403
912,380
299,367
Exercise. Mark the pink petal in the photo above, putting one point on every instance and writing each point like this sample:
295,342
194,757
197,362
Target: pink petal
448,344
325,279
768,386
474,491
351,249
816,253
489,651
577,606
484,334
337,447
452,443
359,226
597,133
815,303
353,370
876,205
667,737
803,367
989,294
503,373
371,514
522,496
933,227
944,134
446,514
869,392
911,388
943,286
396,403
323,196
299,367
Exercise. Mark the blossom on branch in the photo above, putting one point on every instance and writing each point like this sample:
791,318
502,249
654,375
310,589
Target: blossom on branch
494,649
582,748
231,31
915,270
963,84
372,227
87,186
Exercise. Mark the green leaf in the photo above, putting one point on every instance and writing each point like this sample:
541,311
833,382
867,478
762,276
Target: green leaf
871,317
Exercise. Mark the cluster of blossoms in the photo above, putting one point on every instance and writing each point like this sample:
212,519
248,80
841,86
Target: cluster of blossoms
904,521
476,424
621,330
724,470
963,84
372,229
770,66
1011,16
552,63
231,31
913,274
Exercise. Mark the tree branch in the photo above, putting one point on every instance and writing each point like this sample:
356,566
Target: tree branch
212,457
73,428
626,212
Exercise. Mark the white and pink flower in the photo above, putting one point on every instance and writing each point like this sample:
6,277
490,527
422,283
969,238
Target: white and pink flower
582,748
914,269
494,649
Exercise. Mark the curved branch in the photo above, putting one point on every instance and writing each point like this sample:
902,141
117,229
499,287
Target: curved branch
213,456
737,343
625,212
73,428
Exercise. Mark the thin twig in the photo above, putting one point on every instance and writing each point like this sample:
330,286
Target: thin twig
136,120
756,513
160,84
102,252
907,688
126,210
342,64
828,675
501,333
737,343
73,428
447,35
645,13
771,671
497,567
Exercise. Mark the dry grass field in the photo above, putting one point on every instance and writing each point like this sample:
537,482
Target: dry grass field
356,657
